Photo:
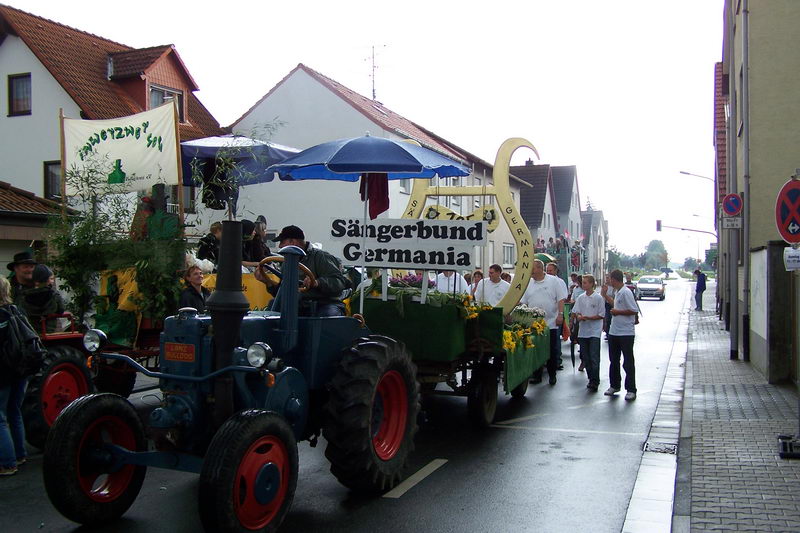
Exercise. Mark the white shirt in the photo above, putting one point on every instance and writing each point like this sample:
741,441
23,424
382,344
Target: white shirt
490,292
623,324
546,294
587,305
452,283
577,291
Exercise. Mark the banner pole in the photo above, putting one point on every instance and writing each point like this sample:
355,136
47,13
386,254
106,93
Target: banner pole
62,144
179,188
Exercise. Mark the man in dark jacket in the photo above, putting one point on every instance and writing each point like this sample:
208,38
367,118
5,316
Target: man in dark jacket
22,277
699,289
323,296
42,300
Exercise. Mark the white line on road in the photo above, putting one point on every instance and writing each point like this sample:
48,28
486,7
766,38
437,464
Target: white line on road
581,406
569,430
415,478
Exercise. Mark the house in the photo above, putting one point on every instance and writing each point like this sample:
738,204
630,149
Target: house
595,231
23,216
756,148
568,203
537,203
50,67
311,108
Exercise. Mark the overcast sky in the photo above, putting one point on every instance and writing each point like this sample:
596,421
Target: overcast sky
621,88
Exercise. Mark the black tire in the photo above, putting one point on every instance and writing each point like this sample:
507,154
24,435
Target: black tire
81,485
662,297
482,396
520,390
371,415
63,377
119,379
251,445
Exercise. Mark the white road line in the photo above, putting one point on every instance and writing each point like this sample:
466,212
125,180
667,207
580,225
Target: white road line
522,418
415,478
603,399
569,430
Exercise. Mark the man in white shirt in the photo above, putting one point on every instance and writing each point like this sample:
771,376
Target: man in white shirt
549,293
589,310
451,282
620,337
492,290
552,269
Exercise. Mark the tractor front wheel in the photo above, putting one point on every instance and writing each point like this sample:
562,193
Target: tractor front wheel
63,377
371,415
82,478
249,475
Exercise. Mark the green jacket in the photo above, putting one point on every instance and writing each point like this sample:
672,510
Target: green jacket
328,270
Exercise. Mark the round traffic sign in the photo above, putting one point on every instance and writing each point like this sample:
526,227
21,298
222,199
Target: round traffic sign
787,212
732,204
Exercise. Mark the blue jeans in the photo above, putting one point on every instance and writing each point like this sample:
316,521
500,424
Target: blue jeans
590,353
698,300
12,431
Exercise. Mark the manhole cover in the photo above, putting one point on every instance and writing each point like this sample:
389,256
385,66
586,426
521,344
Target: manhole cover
661,447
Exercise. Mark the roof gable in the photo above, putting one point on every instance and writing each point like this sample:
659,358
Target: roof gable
532,199
79,63
565,180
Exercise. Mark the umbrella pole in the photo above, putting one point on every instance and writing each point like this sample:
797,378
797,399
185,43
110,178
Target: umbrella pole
364,243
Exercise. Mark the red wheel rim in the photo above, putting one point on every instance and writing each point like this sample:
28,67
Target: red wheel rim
252,489
392,398
97,483
64,383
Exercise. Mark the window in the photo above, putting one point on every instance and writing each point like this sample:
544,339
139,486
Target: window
52,180
188,199
159,95
508,255
477,200
456,200
405,186
19,94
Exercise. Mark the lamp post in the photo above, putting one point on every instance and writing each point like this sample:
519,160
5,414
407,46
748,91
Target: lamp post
696,175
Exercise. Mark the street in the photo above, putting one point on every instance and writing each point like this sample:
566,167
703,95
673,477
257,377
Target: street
561,459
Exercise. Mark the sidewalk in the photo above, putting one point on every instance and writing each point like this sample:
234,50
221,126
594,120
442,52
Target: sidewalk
729,475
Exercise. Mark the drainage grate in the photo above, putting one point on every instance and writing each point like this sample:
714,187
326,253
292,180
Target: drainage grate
661,447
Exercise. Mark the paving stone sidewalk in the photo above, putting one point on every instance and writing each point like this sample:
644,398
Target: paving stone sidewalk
729,476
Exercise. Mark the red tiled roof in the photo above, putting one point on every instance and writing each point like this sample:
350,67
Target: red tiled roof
720,132
133,62
79,62
19,201
373,110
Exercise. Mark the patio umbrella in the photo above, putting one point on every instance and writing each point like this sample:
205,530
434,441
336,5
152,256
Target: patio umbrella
374,159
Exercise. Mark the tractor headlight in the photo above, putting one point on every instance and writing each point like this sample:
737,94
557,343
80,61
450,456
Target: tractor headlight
259,354
93,340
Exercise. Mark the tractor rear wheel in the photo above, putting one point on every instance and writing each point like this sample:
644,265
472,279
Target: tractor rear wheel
63,377
80,475
482,396
249,475
371,415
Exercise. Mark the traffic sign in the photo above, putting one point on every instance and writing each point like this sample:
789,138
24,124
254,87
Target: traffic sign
732,204
787,212
731,222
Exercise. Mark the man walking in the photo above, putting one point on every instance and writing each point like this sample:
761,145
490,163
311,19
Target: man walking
492,290
547,292
620,337
589,311
699,289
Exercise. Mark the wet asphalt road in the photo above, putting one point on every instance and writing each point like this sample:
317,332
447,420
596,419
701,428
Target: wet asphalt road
561,459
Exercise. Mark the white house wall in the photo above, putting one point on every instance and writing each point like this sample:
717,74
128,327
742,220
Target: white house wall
36,137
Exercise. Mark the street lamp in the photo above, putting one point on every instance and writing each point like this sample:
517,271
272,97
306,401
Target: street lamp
696,175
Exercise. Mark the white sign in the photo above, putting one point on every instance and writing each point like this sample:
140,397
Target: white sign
135,152
407,243
731,222
791,258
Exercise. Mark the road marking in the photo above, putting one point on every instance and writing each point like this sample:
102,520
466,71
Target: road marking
567,430
522,418
415,478
604,399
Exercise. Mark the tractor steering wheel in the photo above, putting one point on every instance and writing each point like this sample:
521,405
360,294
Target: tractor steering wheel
279,259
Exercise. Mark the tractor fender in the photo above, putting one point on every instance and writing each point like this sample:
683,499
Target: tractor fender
289,398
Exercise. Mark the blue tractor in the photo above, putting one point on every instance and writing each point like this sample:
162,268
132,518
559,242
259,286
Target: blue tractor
239,390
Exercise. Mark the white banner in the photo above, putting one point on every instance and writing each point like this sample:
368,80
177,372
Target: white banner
135,152
407,243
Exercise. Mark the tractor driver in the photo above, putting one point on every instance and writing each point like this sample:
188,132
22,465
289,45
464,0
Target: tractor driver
324,297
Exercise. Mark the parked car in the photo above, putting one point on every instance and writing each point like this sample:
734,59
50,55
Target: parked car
651,287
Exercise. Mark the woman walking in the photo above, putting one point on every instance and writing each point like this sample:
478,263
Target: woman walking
12,391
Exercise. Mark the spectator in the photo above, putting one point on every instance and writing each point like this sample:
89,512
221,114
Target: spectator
505,276
22,278
258,248
194,294
42,300
589,311
699,289
209,245
553,270
477,276
451,282
492,290
607,292
12,392
248,231
621,335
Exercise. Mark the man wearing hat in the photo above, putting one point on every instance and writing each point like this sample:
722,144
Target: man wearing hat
22,273
323,298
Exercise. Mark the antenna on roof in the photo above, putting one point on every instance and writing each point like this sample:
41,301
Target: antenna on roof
373,67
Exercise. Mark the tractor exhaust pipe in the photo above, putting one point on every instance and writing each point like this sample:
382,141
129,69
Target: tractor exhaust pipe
227,305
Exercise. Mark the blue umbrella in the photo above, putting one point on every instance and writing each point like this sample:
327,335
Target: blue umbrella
252,156
348,159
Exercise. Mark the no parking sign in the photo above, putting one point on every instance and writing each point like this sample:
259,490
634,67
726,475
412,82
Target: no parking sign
787,211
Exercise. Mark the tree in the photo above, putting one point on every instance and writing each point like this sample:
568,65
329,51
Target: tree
689,264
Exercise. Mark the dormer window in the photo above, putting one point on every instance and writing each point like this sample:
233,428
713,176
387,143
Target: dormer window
160,95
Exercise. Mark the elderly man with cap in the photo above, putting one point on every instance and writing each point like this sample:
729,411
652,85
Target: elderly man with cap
323,297
22,273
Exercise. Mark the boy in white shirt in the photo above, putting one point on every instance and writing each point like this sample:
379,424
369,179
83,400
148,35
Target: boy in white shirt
492,290
589,311
621,335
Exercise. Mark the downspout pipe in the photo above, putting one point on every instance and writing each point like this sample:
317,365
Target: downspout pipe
746,176
733,180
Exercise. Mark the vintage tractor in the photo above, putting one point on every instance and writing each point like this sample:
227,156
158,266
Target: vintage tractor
239,390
